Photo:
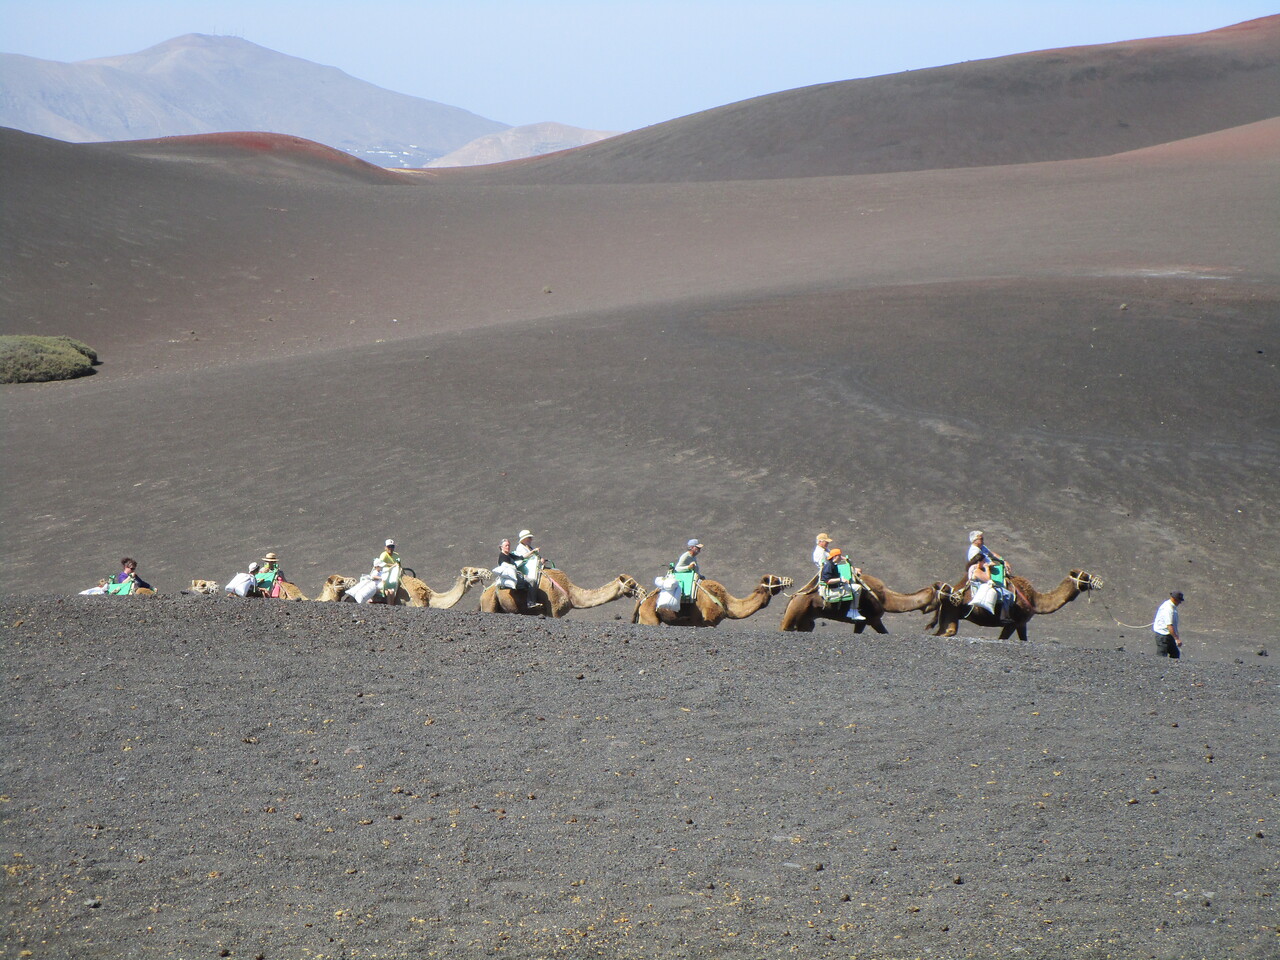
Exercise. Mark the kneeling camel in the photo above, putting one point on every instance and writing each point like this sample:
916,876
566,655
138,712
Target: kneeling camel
556,595
412,591
712,604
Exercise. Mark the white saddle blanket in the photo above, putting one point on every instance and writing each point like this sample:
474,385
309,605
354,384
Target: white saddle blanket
240,584
668,593
508,576
987,595
365,590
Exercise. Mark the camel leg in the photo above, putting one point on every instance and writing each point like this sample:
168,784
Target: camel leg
647,614
875,623
1007,632
1022,632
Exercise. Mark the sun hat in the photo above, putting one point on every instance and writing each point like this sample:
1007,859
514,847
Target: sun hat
823,538
524,534
974,535
271,558
693,543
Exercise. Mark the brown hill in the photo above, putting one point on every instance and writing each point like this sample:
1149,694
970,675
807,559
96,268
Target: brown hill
1052,105
256,154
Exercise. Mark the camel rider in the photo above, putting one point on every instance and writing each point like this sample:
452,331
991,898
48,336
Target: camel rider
268,575
822,546
984,585
840,586
977,548
688,561
529,567
687,572
127,580
391,569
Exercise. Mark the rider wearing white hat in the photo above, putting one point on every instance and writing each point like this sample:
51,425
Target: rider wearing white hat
525,549
389,557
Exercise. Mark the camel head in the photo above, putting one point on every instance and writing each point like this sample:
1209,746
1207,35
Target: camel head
775,584
629,586
340,584
207,587
1085,581
473,575
948,593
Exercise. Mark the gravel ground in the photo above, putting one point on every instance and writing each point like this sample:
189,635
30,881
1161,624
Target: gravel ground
192,777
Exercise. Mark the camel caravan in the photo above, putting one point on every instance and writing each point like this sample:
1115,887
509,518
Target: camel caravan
524,583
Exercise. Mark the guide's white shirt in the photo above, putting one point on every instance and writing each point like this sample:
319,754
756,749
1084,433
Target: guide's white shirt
1166,617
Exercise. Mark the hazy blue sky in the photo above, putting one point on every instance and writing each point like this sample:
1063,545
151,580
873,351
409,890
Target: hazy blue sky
609,64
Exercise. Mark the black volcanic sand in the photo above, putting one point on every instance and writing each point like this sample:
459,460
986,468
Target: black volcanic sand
191,777
615,437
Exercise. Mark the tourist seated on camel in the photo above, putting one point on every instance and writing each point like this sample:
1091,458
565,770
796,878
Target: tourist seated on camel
821,547
243,584
978,550
127,580
986,588
392,569
522,567
267,579
839,586
686,571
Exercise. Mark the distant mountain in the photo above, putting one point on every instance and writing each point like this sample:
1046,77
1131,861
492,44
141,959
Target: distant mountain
202,84
1062,104
531,140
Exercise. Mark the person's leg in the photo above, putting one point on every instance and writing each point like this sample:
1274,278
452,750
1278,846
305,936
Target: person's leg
1165,646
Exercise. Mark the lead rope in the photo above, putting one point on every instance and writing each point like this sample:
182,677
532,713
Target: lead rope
1095,583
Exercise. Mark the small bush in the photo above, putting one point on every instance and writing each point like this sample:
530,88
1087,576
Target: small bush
25,359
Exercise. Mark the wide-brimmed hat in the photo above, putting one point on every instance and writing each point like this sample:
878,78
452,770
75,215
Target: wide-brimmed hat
693,543
271,558
524,533
822,538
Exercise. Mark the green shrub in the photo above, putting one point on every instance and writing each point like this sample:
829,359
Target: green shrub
25,359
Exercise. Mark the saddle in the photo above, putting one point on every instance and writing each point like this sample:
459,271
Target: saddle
687,581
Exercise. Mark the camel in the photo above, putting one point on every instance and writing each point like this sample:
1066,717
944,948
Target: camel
557,595
712,604
807,605
209,588
954,604
411,591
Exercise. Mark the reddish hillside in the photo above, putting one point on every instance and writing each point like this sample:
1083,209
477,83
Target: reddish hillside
1052,105
272,155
